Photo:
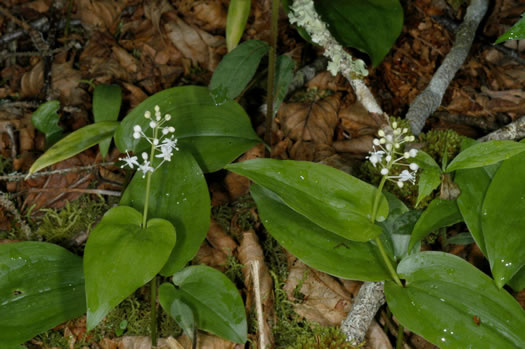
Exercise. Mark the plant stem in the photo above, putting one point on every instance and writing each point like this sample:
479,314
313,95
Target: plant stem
271,74
153,324
399,339
379,244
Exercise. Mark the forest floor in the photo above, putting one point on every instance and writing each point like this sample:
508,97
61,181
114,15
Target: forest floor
148,46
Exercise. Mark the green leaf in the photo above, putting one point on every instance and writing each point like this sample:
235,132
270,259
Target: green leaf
75,143
461,239
517,32
473,184
214,134
483,154
283,77
315,246
120,256
45,120
426,161
238,12
106,107
41,286
429,179
454,305
503,219
178,310
331,198
178,193
370,26
438,214
237,68
518,280
214,299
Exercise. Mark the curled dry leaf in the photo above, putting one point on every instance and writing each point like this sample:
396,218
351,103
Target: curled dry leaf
99,14
139,342
361,145
194,43
135,95
154,9
218,239
208,341
65,79
250,251
312,121
32,81
325,300
357,121
126,60
211,257
376,338
326,81
236,184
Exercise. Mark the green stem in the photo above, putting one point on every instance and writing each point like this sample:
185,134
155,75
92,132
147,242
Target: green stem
379,244
400,334
271,74
153,324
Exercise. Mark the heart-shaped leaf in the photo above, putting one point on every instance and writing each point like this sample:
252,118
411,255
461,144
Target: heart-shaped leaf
75,143
473,184
41,286
483,154
45,120
438,214
237,68
331,198
178,310
120,256
178,193
454,305
106,107
503,219
370,26
214,133
213,298
315,246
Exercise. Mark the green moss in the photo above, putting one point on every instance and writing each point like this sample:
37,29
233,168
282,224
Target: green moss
6,165
234,271
323,338
310,95
59,226
437,143
239,212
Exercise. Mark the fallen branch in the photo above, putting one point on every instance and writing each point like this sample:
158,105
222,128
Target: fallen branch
15,177
514,130
430,99
10,207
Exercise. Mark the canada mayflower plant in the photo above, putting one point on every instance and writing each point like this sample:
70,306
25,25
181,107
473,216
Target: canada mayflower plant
161,141
387,154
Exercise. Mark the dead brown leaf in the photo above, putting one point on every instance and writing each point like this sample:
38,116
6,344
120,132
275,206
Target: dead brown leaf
194,43
32,81
218,239
99,14
65,80
211,257
208,341
236,184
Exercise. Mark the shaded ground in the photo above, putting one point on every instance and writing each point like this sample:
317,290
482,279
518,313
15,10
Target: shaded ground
147,46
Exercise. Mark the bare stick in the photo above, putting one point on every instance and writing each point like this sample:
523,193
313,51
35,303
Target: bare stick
15,177
10,207
430,99
258,303
514,130
369,299
77,190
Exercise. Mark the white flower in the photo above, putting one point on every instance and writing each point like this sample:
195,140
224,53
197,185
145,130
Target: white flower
152,124
375,157
166,152
400,184
147,114
413,166
145,156
413,152
407,176
384,171
129,161
145,168
170,142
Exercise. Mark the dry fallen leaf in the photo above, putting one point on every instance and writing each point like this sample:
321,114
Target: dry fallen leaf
208,341
236,184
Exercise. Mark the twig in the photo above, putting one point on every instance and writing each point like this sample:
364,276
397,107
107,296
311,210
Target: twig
514,130
258,303
77,190
369,299
10,207
35,35
14,177
430,99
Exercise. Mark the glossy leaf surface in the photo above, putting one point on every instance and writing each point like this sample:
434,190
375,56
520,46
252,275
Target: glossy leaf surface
41,286
486,153
283,77
429,179
45,119
237,68
518,280
178,310
178,193
503,219
214,133
75,143
315,246
214,299
370,26
454,305
106,107
473,184
331,198
517,32
120,256
438,214
238,12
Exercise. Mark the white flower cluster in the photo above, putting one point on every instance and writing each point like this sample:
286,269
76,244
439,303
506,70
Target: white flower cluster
161,141
303,14
389,155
